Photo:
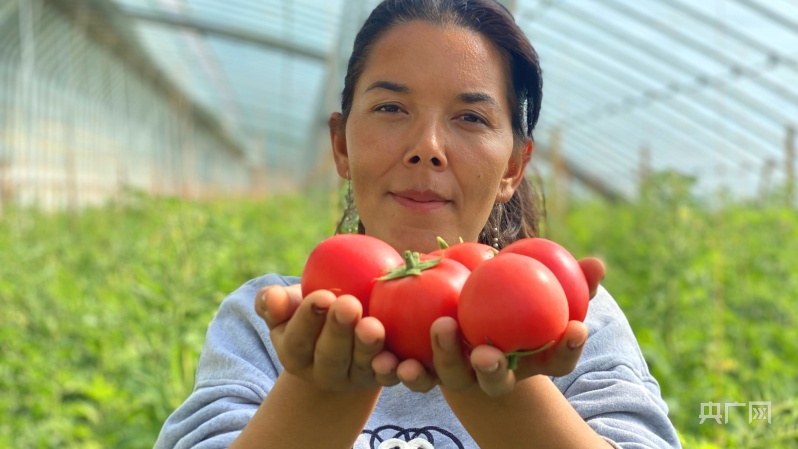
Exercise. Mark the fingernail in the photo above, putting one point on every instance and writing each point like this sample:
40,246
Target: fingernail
576,344
344,319
414,379
264,310
369,340
318,310
384,373
263,294
489,368
447,341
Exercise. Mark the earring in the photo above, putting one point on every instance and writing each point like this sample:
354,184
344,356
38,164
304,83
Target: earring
350,197
498,221
349,220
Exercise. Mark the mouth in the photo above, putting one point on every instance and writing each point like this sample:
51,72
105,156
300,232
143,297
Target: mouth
420,200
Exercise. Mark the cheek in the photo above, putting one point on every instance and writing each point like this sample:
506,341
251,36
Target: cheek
368,151
485,169
369,160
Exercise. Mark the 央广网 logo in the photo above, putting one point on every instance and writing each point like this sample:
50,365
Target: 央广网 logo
757,411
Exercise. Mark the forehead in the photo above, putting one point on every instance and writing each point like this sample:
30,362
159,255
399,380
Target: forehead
424,54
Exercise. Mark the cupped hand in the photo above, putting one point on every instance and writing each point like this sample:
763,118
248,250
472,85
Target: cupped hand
486,366
323,339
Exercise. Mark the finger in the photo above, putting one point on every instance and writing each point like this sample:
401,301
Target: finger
575,335
561,359
295,292
451,366
594,271
296,343
384,365
369,340
275,305
333,354
493,375
415,377
569,349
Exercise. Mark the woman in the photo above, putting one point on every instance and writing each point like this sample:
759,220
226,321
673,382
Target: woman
435,133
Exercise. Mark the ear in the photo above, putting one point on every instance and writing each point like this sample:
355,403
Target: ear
339,149
516,169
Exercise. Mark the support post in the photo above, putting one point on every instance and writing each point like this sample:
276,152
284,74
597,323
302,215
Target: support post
644,168
789,165
559,184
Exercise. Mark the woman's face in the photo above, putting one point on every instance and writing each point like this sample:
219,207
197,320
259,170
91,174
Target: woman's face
428,143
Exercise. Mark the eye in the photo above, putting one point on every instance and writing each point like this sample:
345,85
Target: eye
473,118
387,108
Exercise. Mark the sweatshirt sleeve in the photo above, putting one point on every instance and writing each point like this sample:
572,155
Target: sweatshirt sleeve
611,387
237,368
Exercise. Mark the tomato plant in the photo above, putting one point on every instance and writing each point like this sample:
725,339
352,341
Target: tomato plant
348,264
409,299
514,303
469,254
565,268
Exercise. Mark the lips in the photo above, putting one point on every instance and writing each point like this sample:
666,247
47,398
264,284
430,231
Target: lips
420,200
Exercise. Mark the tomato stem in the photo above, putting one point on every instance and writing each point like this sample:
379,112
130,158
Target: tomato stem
442,243
412,267
512,357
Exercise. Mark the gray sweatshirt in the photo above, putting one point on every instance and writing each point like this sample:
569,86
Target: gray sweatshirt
611,387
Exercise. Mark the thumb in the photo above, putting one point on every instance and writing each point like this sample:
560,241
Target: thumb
276,304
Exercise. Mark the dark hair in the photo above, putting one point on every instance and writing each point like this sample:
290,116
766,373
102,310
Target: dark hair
518,217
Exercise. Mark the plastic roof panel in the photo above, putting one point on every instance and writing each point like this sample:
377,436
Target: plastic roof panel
708,88
705,87
264,95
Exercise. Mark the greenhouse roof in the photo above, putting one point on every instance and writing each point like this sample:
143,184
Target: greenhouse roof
707,88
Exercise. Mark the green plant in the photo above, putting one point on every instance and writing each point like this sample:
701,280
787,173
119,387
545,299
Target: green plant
709,289
103,313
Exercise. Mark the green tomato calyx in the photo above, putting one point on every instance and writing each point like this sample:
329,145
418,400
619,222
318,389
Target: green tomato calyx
412,267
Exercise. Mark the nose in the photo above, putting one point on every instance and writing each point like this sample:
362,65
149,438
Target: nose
427,149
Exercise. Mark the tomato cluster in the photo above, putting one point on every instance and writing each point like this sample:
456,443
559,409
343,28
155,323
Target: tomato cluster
519,299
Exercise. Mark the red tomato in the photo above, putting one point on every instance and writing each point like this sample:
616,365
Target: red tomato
407,306
469,254
563,265
514,303
348,264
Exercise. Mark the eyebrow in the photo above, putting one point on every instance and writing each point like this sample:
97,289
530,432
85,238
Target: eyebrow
395,87
465,97
477,97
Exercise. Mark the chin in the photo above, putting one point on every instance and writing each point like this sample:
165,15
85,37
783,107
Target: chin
417,240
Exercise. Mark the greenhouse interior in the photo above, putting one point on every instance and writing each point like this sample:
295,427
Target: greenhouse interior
157,154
